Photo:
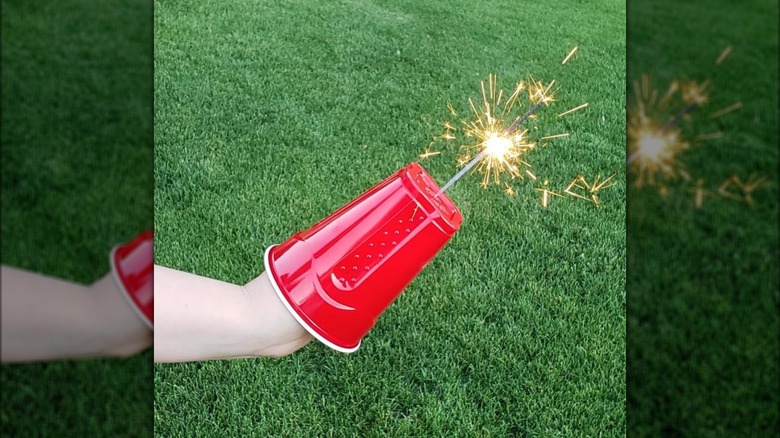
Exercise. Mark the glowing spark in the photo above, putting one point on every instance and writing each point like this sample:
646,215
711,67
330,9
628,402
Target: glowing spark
750,186
723,55
462,161
571,53
452,109
723,190
538,93
573,109
547,193
695,94
565,134
591,188
726,110
699,192
596,185
509,190
428,153
673,88
576,183
747,188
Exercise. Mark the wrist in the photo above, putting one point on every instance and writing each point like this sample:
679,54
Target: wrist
271,324
122,332
201,318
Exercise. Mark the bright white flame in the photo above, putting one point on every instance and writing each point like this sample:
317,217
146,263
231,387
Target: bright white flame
498,146
652,146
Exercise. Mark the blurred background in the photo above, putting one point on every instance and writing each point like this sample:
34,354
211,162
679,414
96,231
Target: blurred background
703,238
76,180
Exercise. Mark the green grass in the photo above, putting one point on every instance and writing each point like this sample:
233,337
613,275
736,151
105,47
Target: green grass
76,180
703,283
270,116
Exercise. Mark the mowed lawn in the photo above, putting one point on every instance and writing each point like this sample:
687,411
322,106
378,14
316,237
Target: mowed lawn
270,116
703,283
76,180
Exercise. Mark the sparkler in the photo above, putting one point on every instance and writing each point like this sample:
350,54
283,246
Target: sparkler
498,147
654,147
495,145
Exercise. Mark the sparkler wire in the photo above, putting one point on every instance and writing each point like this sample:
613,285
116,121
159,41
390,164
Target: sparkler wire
678,116
522,119
462,172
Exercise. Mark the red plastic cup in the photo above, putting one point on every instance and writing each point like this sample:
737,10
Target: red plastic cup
338,276
133,267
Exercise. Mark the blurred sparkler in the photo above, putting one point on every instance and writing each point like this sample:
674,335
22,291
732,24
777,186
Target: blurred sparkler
655,140
654,146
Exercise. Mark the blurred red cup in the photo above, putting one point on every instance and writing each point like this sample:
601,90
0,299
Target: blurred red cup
133,264
338,276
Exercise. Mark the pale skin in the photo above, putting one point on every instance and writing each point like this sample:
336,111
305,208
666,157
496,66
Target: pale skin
199,318
196,319
46,318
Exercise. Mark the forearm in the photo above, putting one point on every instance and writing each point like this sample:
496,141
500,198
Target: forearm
45,318
199,318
